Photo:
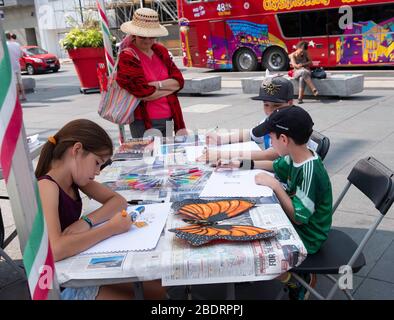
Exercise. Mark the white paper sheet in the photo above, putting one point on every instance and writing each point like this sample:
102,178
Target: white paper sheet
194,152
137,239
244,146
235,183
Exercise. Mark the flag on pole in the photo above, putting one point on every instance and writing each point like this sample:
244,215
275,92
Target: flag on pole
37,257
106,36
108,51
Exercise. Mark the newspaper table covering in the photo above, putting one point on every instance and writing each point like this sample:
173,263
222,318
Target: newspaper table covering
177,263
173,260
235,261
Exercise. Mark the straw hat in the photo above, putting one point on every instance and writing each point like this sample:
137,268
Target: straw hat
145,23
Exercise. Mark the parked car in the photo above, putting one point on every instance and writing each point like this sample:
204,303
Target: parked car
36,59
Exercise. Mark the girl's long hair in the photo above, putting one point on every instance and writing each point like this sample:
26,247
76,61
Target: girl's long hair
302,45
92,137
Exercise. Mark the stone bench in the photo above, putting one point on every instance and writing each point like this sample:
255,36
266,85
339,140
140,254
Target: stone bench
339,85
202,84
29,84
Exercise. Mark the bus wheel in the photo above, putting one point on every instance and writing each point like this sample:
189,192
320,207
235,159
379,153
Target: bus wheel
275,59
245,60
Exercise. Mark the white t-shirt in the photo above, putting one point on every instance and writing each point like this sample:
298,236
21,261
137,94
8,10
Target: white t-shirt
14,48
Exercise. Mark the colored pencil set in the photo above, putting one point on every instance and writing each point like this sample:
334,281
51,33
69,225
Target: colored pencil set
134,149
185,178
138,182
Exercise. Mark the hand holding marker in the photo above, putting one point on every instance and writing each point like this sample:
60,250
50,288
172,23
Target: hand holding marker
136,212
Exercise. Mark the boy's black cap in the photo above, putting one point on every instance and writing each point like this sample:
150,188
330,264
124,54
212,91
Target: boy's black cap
276,89
292,121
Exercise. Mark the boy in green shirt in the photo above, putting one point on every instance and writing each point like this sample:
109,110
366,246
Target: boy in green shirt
306,196
301,185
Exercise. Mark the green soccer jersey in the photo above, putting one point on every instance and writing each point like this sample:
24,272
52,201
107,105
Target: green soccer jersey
309,188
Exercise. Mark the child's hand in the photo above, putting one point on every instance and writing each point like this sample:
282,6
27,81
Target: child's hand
266,180
228,164
209,156
120,223
77,227
213,138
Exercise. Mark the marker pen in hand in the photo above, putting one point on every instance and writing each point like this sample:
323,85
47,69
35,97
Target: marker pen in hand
136,212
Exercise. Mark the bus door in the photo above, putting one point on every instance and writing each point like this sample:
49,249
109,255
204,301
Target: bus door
192,47
219,45
314,31
335,33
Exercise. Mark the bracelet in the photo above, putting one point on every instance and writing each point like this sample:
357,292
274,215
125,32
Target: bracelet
249,164
88,221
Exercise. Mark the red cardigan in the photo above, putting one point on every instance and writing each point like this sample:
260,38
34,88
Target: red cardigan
131,77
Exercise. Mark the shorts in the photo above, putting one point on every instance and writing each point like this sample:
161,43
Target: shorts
84,293
302,73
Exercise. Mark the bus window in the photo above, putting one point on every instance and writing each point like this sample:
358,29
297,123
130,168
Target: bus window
333,27
314,23
375,13
290,24
384,13
193,1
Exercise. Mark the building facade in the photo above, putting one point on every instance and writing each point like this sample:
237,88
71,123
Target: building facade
19,17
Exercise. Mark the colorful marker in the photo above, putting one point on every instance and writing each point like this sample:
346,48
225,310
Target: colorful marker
136,212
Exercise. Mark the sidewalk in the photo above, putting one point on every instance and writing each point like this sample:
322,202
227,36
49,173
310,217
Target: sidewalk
357,126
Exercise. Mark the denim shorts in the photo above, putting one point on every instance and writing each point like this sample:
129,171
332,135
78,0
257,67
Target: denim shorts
85,293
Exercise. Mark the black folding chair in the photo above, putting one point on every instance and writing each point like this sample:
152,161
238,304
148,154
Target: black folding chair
322,143
375,181
5,242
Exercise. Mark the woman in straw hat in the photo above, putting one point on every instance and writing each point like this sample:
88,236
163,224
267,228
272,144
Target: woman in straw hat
148,72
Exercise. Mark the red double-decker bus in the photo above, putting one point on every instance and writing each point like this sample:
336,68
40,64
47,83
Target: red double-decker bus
246,34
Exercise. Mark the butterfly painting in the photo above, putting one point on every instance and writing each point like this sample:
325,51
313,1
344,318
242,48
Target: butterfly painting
204,217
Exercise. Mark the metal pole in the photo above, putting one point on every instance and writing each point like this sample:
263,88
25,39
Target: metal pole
80,10
142,3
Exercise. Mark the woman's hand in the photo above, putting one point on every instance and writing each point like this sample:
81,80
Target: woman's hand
154,84
265,179
120,223
77,227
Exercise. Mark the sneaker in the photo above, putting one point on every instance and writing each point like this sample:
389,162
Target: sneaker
299,292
